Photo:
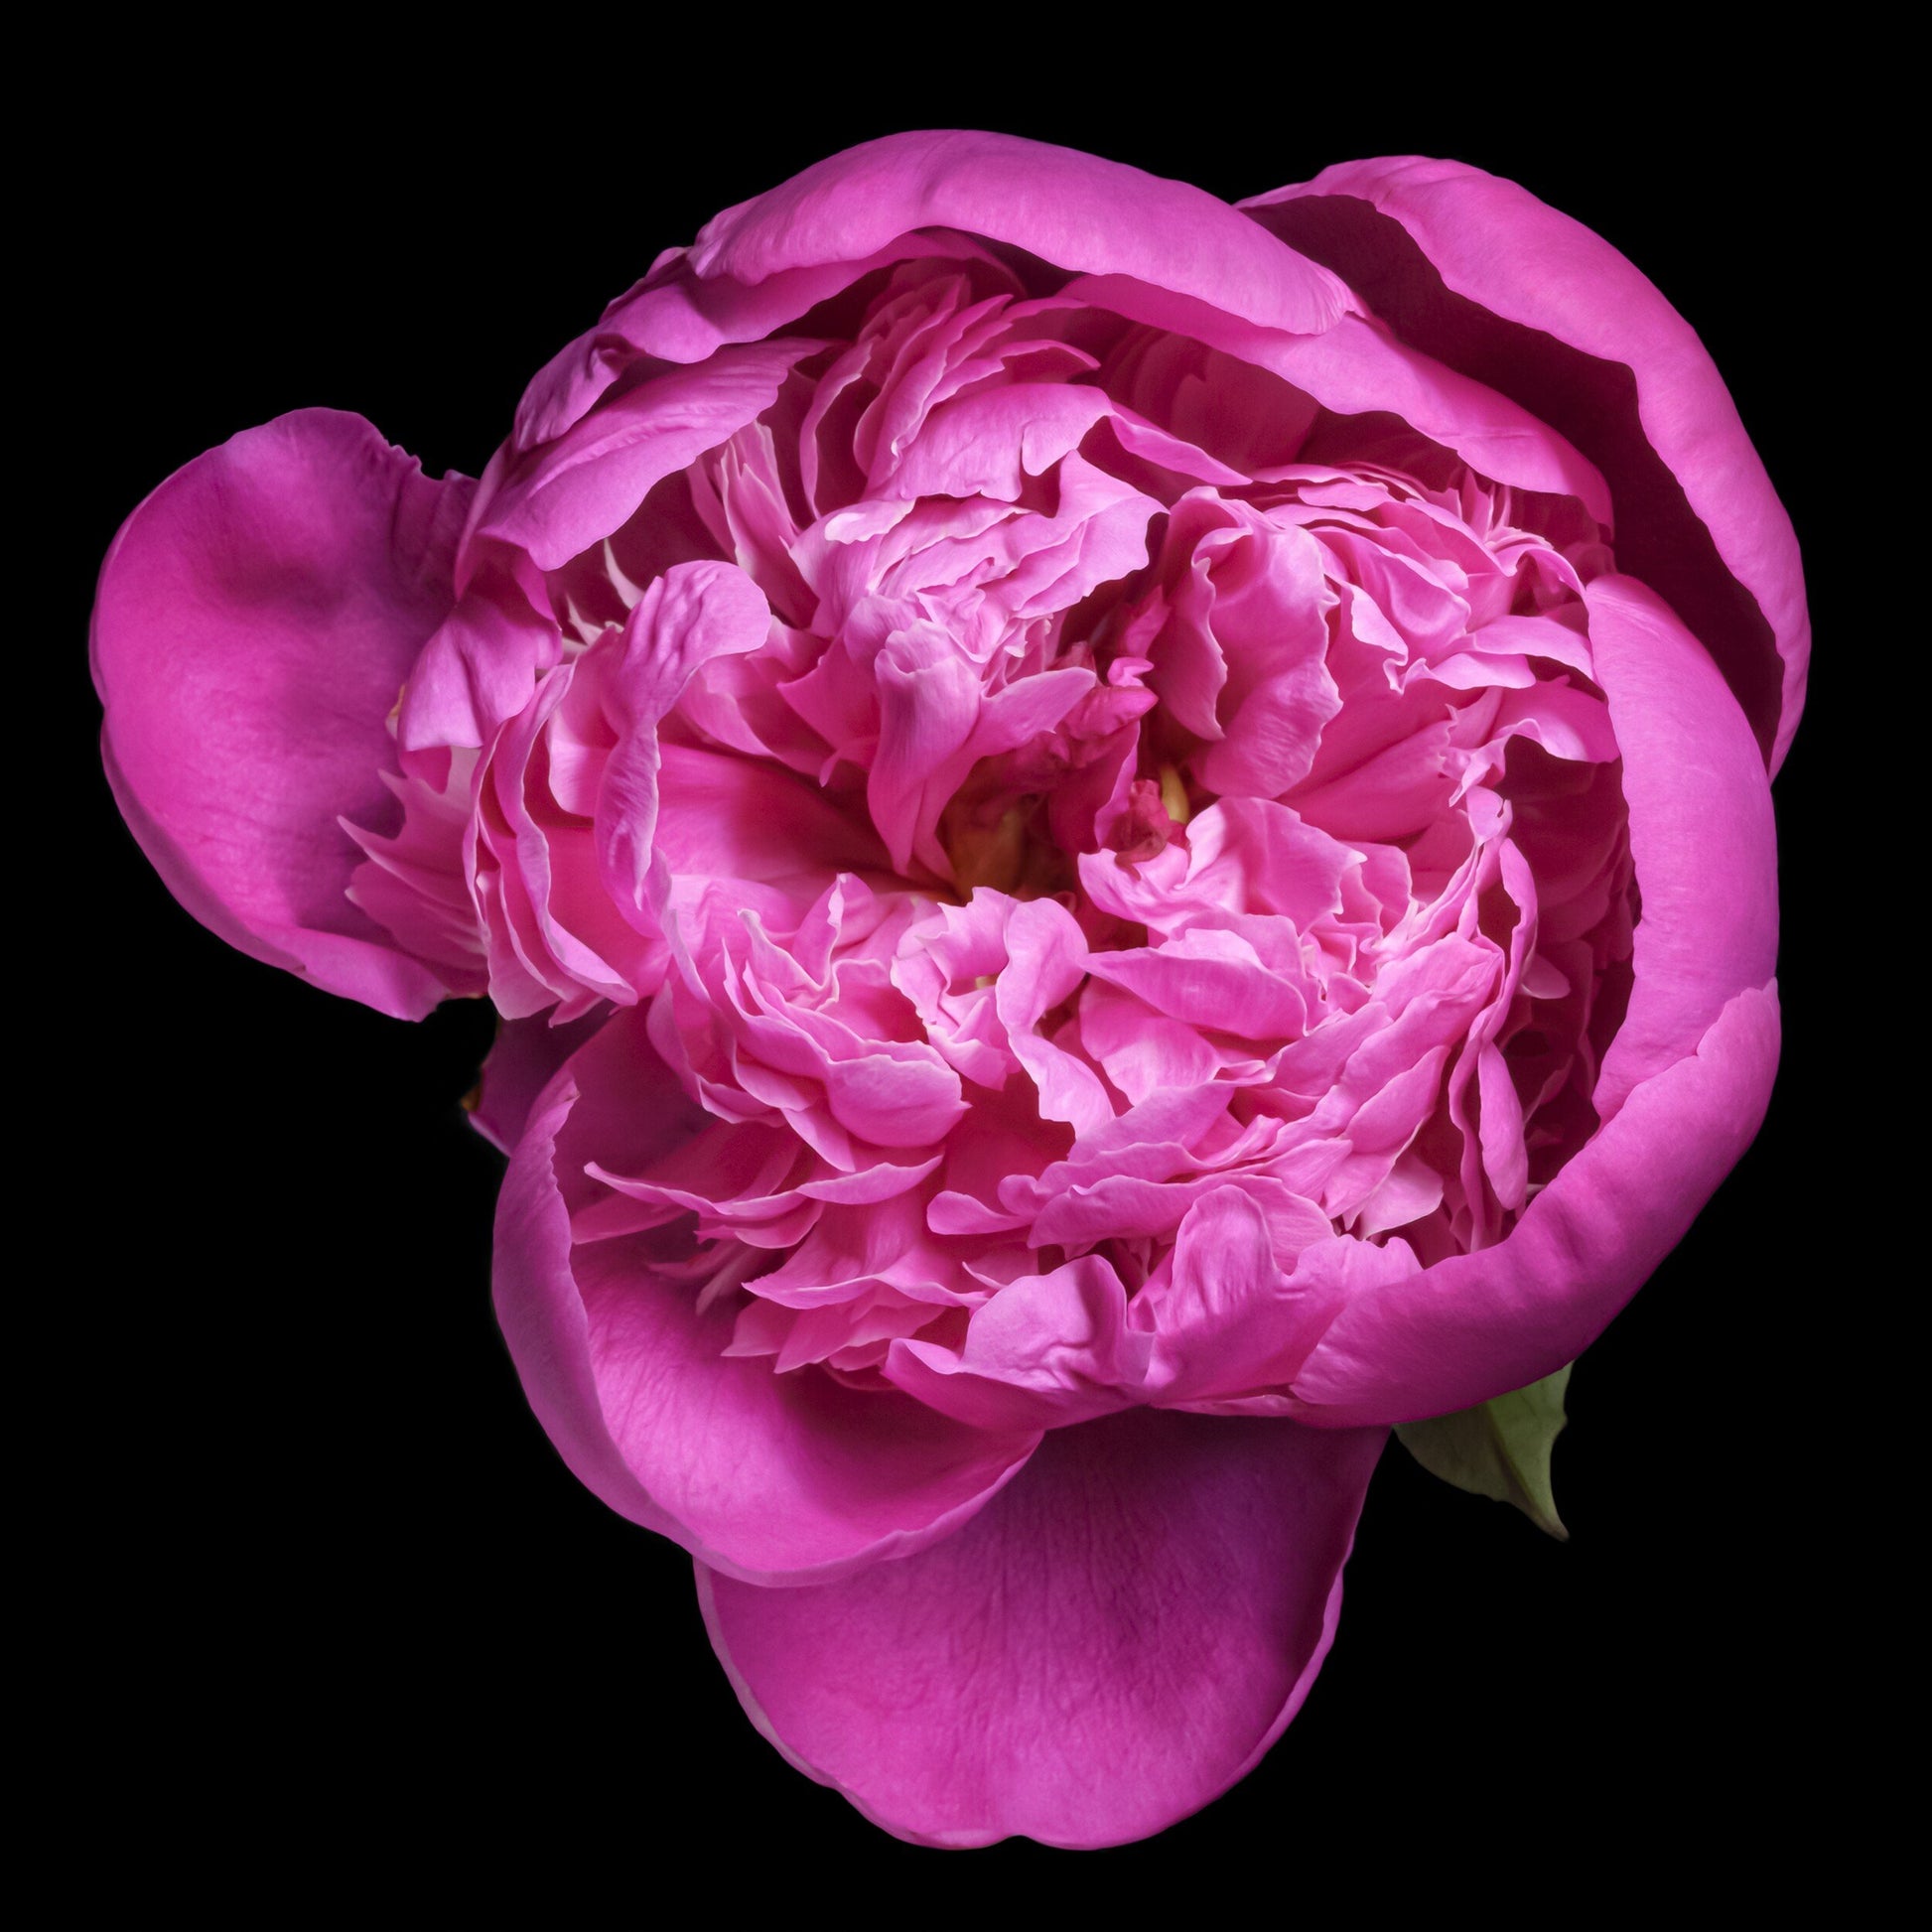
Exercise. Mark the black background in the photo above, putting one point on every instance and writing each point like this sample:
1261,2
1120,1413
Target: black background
332,1636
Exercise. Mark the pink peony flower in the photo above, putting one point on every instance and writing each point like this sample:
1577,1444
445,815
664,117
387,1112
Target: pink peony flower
1121,841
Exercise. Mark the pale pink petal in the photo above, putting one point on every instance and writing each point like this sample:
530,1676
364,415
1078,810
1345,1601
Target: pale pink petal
1237,1312
477,670
1046,1351
692,615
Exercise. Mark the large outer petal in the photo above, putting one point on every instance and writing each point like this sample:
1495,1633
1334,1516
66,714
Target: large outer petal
1700,829
1071,209
1683,1088
255,619
1479,273
1114,1640
1477,1324
778,1479
1357,367
757,267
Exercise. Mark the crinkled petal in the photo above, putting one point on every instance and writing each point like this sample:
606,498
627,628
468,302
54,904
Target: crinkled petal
1355,368
1477,1324
693,614
1478,272
590,481
477,670
257,617
1227,1320
772,1477
1046,1351
1113,1641
677,315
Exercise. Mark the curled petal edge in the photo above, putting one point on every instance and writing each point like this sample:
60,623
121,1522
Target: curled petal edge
255,620
1478,1325
806,1501
1115,1641
1528,299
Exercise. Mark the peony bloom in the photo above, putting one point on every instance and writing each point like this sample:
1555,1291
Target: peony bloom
1120,841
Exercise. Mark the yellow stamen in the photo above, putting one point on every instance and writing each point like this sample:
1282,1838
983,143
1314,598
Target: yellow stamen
1173,795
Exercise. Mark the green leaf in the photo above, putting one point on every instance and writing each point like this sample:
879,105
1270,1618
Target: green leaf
1499,1448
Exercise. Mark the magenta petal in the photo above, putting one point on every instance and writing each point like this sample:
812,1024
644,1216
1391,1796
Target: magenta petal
523,1062
257,617
589,482
1700,831
1477,1324
1113,1641
1072,209
1354,368
677,315
1479,273
773,1477
1046,1351
477,670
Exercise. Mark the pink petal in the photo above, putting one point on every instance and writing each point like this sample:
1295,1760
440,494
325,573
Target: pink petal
1700,831
1477,1324
1209,979
588,484
257,617
987,441
764,1476
721,816
1353,368
1046,1351
1072,209
675,315
1228,1319
688,617
523,1062
477,670
1479,273
1116,1639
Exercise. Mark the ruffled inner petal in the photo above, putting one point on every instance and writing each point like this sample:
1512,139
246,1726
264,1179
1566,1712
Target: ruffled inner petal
1149,800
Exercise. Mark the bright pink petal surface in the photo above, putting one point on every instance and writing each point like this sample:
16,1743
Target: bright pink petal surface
585,483
760,266
256,620
1477,1324
676,316
1113,1641
775,1479
1479,273
1139,848
1074,210
1701,830
1355,368
523,1062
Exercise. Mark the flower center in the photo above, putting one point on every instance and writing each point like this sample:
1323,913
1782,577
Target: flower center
1007,847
